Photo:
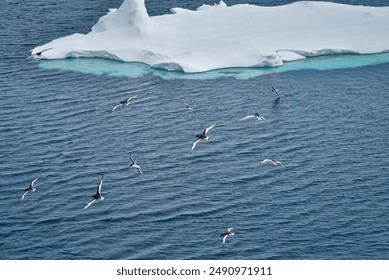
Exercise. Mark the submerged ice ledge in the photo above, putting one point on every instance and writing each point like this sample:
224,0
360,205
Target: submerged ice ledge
221,36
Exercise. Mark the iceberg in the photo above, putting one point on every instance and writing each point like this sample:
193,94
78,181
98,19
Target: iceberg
220,36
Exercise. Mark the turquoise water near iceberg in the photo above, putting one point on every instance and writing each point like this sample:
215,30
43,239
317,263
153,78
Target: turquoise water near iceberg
98,66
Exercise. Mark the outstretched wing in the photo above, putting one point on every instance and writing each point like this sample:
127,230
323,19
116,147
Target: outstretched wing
139,171
114,108
194,145
22,198
129,98
32,183
280,163
133,161
90,203
223,240
267,161
208,128
100,184
248,117
229,230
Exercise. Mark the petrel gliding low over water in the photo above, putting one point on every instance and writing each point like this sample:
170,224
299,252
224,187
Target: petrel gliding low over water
190,108
272,161
225,234
255,116
29,189
135,166
201,136
124,102
98,195
273,89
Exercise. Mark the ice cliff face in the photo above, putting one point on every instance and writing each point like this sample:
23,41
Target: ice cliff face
130,17
221,36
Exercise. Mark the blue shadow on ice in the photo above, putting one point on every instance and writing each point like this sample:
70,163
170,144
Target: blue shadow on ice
101,66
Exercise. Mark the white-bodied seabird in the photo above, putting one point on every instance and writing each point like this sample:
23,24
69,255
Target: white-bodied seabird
29,189
124,102
98,195
272,161
255,116
201,136
225,234
135,166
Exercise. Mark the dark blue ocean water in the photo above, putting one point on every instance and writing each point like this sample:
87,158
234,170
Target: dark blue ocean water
330,128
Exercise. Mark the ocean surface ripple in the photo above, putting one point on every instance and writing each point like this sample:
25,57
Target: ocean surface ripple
329,128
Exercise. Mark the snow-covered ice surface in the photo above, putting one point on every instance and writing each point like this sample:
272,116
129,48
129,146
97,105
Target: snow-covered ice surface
221,36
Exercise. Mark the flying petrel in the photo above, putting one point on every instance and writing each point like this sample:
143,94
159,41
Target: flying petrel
201,136
29,189
124,102
273,89
272,161
39,54
135,166
98,195
256,116
225,234
190,108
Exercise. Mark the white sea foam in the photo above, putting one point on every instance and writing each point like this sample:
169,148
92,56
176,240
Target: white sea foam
221,36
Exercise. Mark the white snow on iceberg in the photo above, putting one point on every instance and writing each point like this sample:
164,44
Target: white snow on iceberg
221,36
